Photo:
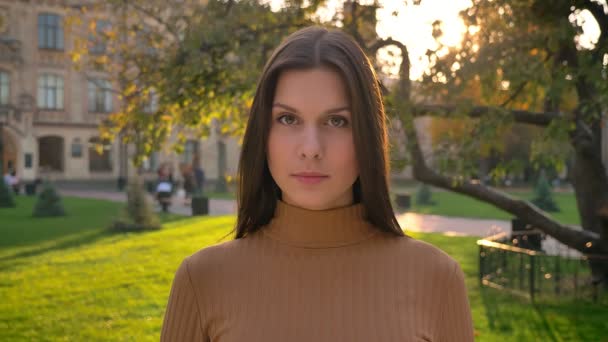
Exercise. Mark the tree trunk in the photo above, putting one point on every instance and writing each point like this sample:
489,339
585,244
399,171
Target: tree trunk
588,175
221,185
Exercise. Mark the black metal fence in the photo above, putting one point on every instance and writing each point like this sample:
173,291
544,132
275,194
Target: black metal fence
536,274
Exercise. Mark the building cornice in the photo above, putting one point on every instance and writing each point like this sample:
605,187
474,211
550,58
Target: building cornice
65,124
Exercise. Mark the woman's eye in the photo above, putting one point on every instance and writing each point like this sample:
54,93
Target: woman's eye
337,121
287,119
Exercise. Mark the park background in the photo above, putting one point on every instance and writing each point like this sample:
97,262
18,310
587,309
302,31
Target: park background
496,108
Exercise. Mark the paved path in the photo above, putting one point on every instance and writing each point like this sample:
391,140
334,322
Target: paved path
178,206
451,225
411,222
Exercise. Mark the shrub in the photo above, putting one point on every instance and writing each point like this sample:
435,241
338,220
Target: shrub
424,195
49,202
138,214
6,196
543,196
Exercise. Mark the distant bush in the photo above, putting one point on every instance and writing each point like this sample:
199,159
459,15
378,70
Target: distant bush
6,196
49,202
543,196
138,214
424,195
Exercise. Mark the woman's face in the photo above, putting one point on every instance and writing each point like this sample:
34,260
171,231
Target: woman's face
311,152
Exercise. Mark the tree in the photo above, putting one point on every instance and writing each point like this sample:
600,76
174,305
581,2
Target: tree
49,203
138,214
543,197
197,60
424,196
531,67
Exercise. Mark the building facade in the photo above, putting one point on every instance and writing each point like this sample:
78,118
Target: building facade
50,112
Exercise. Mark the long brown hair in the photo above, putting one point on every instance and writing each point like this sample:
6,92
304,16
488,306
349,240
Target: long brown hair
309,48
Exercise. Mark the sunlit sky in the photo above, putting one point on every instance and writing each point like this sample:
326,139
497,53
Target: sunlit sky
413,25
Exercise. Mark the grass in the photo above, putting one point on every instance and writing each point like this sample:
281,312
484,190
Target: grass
499,316
114,287
457,205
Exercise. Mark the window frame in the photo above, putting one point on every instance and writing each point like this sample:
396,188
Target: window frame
5,87
99,96
50,31
51,92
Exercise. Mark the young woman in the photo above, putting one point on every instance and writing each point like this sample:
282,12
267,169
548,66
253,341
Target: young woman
318,254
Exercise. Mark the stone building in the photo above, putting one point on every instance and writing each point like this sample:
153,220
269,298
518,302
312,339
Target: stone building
50,112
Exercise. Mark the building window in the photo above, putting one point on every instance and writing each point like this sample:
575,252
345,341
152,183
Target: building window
150,164
50,31
151,105
100,96
76,148
145,39
50,153
99,37
50,92
28,160
190,150
5,87
100,159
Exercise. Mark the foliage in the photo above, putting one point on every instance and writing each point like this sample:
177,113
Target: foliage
543,197
6,196
525,61
424,195
49,202
508,60
182,70
139,214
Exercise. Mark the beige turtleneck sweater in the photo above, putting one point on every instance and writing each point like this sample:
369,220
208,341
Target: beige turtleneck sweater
318,276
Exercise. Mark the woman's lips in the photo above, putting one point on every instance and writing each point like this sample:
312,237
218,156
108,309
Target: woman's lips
310,179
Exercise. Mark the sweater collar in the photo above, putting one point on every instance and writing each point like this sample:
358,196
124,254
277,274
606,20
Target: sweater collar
319,228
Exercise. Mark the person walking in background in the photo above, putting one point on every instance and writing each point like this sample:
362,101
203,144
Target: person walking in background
164,187
12,181
199,175
188,179
15,182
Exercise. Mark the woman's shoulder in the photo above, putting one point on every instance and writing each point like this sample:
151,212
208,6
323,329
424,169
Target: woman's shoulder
420,253
218,252
221,256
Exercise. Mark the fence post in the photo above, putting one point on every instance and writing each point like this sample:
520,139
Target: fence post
521,271
481,264
532,272
557,275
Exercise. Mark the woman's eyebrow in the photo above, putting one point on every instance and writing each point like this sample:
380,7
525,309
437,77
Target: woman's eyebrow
330,111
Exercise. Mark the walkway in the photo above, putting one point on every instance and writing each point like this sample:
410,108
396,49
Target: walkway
216,206
410,222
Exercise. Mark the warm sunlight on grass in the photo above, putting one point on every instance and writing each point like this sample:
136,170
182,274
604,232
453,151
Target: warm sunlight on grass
114,287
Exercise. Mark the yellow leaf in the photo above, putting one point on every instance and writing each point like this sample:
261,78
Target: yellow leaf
75,57
101,60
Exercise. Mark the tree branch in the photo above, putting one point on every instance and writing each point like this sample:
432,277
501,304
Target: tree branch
581,240
159,20
522,116
404,69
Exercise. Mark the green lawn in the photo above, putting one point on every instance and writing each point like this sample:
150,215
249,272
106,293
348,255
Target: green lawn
66,279
457,205
453,204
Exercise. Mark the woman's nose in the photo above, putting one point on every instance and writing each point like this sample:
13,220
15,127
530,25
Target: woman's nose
310,144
